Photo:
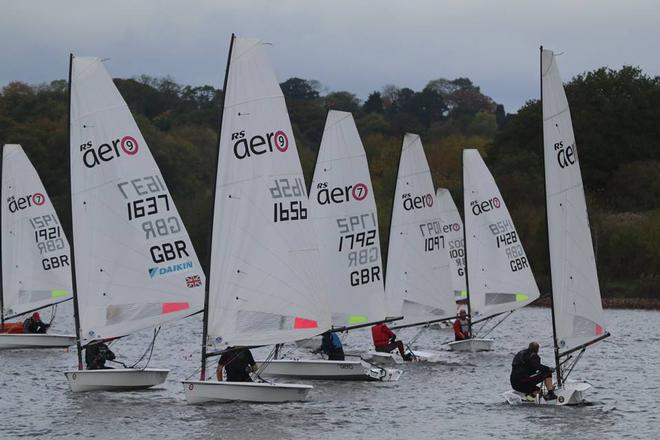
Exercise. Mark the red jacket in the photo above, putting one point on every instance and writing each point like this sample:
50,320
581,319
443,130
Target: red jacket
459,331
381,334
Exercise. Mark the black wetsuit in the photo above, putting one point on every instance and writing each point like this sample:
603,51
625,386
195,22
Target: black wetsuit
32,326
527,371
237,363
96,355
331,346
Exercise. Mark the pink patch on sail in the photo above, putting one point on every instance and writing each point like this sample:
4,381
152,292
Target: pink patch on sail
599,330
174,307
304,323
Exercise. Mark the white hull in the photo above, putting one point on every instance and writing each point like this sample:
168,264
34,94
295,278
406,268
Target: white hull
121,379
328,370
472,345
394,358
35,340
571,393
213,391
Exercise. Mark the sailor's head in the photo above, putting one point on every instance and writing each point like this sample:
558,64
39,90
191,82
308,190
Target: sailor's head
534,347
36,316
462,313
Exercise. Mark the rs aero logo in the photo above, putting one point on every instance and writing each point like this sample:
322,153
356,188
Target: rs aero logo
93,156
18,204
485,206
411,202
326,195
565,155
259,144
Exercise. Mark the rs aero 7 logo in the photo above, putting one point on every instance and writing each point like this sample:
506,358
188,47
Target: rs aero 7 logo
17,204
93,156
411,202
326,195
246,146
565,155
485,206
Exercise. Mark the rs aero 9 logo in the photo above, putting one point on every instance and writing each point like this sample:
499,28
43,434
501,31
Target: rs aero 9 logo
93,156
326,195
245,146
411,202
485,206
17,204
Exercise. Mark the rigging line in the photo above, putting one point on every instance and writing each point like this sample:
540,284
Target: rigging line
498,323
150,350
572,365
52,314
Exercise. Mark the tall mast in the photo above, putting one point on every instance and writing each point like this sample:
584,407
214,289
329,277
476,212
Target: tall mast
76,313
205,327
467,278
2,297
545,195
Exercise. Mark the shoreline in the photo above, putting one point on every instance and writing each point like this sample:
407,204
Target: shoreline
613,303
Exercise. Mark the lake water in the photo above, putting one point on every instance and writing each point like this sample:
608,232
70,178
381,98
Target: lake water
460,396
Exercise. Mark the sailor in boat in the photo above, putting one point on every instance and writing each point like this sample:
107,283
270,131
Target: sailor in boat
527,371
96,356
34,324
238,364
462,327
385,341
331,346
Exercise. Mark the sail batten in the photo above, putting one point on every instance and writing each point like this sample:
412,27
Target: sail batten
499,274
35,251
418,279
135,265
578,311
263,286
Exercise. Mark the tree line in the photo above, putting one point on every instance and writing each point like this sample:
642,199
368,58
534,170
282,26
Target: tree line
616,116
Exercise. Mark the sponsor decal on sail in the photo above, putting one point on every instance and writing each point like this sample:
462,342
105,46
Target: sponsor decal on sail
164,270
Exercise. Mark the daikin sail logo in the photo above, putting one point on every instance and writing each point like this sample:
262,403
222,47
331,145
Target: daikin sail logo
485,206
410,202
245,146
18,204
326,195
164,270
93,156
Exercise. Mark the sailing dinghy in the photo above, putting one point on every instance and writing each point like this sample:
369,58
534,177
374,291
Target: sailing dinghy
36,265
499,277
343,207
134,266
264,286
418,282
577,312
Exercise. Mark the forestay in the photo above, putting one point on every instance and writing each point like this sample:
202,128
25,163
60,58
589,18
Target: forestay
499,275
264,282
576,293
134,263
418,279
344,209
452,227
36,269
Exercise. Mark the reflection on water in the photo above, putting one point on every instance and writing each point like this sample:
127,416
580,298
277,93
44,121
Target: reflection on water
462,395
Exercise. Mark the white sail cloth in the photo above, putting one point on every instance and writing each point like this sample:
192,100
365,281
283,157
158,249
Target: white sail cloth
454,242
418,278
499,275
344,209
575,289
36,261
265,286
134,263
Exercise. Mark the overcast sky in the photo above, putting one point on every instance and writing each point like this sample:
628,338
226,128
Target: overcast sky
354,45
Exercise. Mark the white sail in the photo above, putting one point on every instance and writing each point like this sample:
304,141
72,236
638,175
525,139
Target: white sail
36,262
418,278
452,227
575,290
264,287
344,209
135,266
499,275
